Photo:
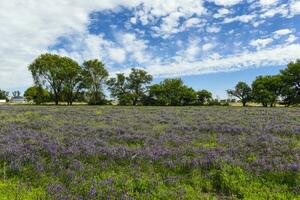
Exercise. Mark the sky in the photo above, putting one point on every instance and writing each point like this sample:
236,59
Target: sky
210,44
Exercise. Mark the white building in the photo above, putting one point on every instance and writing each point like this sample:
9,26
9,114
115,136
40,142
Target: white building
2,100
17,100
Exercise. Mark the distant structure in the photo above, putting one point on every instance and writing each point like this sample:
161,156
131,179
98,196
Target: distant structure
2,100
17,99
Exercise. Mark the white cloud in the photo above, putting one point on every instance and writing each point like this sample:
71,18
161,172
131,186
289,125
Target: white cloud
213,29
268,2
292,38
222,13
295,7
261,43
208,46
268,57
282,32
241,18
117,54
133,20
134,46
226,2
170,13
190,52
28,28
271,12
192,22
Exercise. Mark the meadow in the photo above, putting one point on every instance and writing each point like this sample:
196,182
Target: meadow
112,152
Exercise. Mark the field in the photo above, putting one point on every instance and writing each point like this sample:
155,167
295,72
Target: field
86,152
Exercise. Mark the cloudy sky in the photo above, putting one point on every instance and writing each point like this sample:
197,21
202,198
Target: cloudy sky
211,44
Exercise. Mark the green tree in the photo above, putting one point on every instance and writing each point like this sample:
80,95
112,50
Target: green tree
37,94
172,92
4,95
118,89
291,83
203,96
267,89
242,91
137,83
155,96
49,70
72,79
189,96
132,89
94,75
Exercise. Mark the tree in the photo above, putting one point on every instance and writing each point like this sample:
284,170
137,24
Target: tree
4,95
16,93
132,89
172,92
291,81
203,96
118,89
94,75
137,82
189,96
49,70
267,89
242,91
37,94
72,79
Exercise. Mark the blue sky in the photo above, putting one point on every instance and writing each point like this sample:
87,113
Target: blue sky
210,44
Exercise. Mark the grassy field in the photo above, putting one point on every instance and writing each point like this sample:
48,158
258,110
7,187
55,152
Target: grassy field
86,152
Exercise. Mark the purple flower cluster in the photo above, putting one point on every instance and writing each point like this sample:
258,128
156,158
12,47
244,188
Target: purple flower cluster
71,144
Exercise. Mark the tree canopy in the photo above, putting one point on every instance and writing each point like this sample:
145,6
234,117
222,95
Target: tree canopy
267,89
131,89
50,71
94,75
242,91
37,94
172,92
291,83
4,94
65,80
203,96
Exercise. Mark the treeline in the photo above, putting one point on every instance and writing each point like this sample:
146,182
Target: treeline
61,79
283,88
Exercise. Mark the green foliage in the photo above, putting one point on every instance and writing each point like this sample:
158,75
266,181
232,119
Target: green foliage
237,183
72,79
4,94
291,80
117,87
37,94
203,96
132,89
242,91
13,189
94,75
267,89
172,92
137,82
51,71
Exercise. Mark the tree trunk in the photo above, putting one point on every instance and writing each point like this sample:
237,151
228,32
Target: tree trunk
244,104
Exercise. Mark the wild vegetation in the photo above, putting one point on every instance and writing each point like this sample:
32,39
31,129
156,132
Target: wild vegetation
149,152
88,152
